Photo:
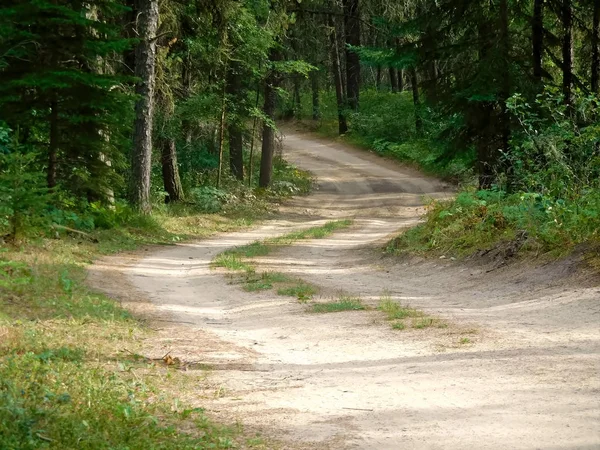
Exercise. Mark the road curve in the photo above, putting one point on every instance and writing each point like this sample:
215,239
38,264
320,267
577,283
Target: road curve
517,368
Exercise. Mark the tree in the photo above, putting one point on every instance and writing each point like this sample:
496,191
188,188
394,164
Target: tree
352,35
145,65
70,113
595,41
567,51
537,38
272,82
337,76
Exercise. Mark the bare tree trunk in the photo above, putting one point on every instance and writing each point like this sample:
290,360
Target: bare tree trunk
234,130
486,155
337,78
567,51
378,79
537,38
414,81
268,136
352,33
53,148
170,171
393,80
145,61
297,103
400,80
595,78
221,131
505,87
314,85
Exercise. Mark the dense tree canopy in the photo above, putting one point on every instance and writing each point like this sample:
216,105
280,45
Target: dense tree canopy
152,100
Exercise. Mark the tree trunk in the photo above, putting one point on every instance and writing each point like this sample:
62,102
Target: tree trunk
414,81
314,85
145,61
297,103
170,171
595,78
234,129
537,38
236,153
53,148
393,80
378,79
567,52
268,136
505,88
337,78
400,80
352,33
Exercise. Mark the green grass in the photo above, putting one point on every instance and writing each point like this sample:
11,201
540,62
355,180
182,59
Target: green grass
394,310
264,281
402,317
302,290
231,261
69,374
318,232
238,259
506,224
428,322
345,303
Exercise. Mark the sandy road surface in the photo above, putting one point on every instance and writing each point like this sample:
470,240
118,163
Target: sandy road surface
528,379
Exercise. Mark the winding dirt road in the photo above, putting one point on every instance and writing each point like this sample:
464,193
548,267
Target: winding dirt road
518,367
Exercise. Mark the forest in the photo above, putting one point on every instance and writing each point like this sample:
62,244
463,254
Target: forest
133,122
113,105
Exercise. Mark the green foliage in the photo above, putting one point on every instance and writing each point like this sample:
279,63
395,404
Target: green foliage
386,125
481,220
23,194
55,89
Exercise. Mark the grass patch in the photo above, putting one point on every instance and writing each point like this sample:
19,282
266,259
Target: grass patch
237,260
345,303
402,317
505,224
318,232
395,311
231,261
428,322
71,374
263,281
66,380
302,290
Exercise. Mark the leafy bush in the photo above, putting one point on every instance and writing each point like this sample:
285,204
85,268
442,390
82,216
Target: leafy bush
210,199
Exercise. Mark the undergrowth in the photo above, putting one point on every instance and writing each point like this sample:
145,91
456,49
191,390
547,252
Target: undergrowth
480,220
68,374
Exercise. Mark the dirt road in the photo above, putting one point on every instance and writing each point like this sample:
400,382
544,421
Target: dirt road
518,367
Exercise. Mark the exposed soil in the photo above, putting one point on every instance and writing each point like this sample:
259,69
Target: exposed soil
518,367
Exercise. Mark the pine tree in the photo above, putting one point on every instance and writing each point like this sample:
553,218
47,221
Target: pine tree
51,89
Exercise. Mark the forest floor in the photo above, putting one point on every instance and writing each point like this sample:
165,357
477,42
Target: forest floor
515,365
